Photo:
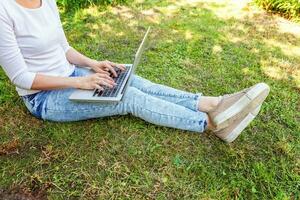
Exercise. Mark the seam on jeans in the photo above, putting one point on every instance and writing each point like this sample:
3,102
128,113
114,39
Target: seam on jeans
194,121
194,97
164,94
72,111
198,98
141,108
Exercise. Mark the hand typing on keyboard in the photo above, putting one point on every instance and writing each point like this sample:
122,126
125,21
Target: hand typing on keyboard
106,67
94,81
117,70
113,92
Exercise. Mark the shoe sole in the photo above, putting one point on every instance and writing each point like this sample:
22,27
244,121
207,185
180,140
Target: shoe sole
254,97
244,123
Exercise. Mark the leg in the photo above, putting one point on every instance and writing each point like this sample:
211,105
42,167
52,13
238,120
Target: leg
182,98
229,114
57,107
164,113
189,100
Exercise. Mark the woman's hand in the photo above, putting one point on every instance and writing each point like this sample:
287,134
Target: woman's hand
95,81
106,67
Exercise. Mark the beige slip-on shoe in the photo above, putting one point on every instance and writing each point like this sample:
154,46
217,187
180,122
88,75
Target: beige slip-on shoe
233,106
230,133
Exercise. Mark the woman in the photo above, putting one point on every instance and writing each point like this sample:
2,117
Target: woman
37,58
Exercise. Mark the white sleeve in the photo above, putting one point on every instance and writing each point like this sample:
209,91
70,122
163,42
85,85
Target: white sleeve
63,39
11,59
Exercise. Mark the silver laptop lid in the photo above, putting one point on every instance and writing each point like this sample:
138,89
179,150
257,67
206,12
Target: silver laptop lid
86,95
141,50
137,57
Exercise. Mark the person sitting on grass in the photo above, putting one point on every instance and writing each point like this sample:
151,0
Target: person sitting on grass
36,56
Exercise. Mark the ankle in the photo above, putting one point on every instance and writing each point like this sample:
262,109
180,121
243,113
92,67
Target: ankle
215,102
210,125
207,104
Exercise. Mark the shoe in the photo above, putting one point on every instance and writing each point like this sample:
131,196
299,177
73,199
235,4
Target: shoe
230,133
233,106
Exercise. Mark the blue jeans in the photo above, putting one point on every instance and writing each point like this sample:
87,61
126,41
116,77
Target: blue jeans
157,104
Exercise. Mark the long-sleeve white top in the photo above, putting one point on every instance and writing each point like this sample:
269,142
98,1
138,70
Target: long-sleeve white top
32,41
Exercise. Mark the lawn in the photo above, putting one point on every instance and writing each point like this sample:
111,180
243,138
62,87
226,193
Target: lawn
208,46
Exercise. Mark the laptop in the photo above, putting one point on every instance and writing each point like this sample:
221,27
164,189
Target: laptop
123,81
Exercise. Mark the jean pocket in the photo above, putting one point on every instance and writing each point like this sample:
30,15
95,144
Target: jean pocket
28,103
32,105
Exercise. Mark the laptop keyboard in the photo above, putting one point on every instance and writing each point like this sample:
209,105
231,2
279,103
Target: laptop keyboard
113,92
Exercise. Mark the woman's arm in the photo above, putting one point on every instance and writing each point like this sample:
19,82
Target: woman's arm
77,58
16,69
97,80
43,82
11,58
74,57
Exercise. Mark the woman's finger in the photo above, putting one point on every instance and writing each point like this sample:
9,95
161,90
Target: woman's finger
101,71
106,83
111,69
97,86
106,77
106,80
120,66
112,84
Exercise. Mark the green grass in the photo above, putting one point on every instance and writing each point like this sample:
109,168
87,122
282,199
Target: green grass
197,50
287,8
77,4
